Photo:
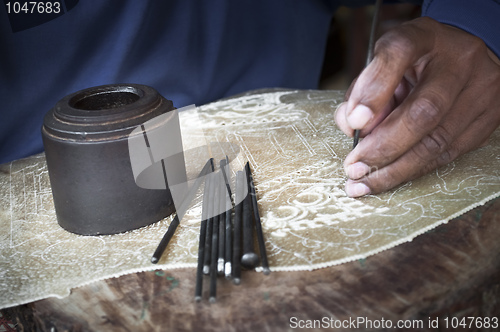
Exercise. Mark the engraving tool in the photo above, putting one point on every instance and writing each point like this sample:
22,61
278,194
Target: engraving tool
369,55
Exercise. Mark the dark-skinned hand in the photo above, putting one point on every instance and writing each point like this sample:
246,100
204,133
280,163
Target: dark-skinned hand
431,94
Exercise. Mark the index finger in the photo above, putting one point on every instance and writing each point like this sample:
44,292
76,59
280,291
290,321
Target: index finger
395,52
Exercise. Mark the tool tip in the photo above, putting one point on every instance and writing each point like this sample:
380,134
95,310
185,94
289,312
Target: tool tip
250,260
197,298
212,299
356,139
154,259
266,271
236,281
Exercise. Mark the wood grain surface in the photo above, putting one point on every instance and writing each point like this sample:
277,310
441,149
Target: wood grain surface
452,271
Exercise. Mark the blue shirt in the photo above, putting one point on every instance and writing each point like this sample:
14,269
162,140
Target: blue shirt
192,52
478,17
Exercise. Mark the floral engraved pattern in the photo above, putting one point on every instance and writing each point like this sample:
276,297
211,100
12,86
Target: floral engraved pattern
296,153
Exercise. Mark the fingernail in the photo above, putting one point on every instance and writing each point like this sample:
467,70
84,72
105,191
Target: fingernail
359,117
342,105
357,170
356,189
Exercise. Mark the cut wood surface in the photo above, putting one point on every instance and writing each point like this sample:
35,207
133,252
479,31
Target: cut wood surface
452,271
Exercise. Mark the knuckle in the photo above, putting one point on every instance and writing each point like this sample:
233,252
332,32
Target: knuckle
425,112
402,40
448,156
394,44
475,47
434,145
471,50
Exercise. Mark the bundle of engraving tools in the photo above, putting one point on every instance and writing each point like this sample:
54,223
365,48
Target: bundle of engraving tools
228,224
227,229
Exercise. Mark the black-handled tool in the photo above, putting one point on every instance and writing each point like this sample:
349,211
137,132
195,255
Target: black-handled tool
369,54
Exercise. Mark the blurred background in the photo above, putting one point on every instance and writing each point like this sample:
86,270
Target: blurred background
346,50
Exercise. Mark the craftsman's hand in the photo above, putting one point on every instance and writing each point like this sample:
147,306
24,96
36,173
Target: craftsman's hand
431,94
